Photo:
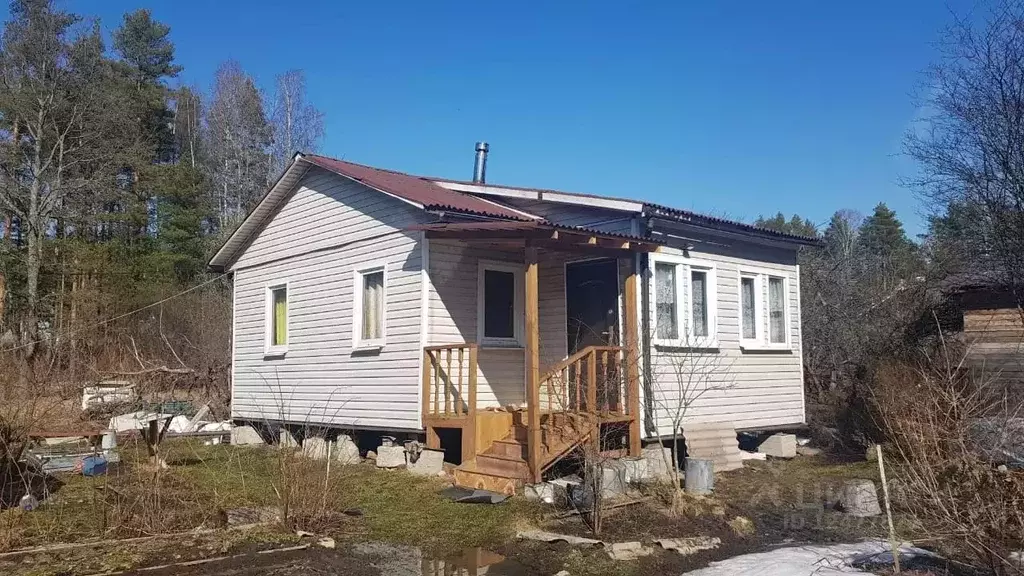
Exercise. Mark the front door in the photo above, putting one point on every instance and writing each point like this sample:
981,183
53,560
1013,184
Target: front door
592,304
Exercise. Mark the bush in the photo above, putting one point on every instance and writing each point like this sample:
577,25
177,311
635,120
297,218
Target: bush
946,476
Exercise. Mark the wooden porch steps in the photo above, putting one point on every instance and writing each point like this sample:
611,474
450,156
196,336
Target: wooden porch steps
504,467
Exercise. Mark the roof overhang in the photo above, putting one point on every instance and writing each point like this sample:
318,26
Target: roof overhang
260,215
620,204
542,234
666,221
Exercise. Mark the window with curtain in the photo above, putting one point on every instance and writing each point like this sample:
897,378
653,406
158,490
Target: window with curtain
666,301
373,305
499,304
776,310
699,303
748,302
277,319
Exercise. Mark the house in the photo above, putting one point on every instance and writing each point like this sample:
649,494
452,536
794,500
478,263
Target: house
505,324
982,311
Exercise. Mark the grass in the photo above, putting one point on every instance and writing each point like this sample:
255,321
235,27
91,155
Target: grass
202,482
782,498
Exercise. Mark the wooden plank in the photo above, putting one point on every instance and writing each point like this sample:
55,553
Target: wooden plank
436,367
425,383
592,383
458,390
492,425
579,380
433,440
533,363
447,382
470,440
632,358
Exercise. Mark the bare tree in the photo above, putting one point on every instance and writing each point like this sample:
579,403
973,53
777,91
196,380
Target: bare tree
678,379
970,142
239,142
298,125
188,118
59,134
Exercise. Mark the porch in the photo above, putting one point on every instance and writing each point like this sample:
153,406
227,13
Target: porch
576,332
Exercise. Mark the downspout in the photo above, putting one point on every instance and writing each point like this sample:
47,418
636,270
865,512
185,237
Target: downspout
650,428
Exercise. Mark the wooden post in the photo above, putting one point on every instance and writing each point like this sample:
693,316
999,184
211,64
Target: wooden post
532,364
426,384
592,411
632,358
469,432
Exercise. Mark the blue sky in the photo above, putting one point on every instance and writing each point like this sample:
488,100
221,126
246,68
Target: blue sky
729,108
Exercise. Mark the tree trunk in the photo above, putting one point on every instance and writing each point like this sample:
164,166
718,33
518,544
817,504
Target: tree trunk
3,300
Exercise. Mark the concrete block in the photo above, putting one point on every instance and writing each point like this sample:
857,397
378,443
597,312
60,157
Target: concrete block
543,491
613,479
390,456
859,498
346,451
779,446
658,460
315,448
288,439
635,469
688,546
245,436
627,550
430,463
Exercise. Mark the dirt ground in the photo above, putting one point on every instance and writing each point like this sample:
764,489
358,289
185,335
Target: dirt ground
784,502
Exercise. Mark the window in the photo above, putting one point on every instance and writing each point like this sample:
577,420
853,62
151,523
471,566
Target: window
500,303
369,317
276,314
776,310
765,318
666,301
748,296
683,308
699,303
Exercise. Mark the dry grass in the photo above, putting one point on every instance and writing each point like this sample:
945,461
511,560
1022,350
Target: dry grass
946,481
202,482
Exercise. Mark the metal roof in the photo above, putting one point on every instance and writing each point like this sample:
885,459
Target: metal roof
415,189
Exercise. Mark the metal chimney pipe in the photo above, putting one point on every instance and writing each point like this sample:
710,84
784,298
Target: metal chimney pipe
480,166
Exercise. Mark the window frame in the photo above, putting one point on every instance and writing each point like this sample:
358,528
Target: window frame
518,303
759,319
684,297
269,348
360,344
787,327
711,282
762,313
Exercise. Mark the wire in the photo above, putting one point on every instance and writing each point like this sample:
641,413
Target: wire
115,318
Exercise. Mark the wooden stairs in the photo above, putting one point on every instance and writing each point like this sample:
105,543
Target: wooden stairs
503,467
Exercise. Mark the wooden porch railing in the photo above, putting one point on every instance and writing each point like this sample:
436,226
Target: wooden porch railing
449,381
591,381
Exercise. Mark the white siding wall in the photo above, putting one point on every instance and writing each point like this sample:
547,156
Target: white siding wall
453,315
332,226
751,389
329,228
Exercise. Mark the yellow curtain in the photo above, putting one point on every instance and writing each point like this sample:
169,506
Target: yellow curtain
280,317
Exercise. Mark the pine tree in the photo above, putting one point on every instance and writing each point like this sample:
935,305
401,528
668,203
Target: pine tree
882,233
795,225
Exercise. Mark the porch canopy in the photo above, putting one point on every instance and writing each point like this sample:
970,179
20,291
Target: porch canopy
541,235
532,237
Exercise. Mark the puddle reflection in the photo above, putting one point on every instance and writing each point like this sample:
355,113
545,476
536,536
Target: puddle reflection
473,562
409,561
